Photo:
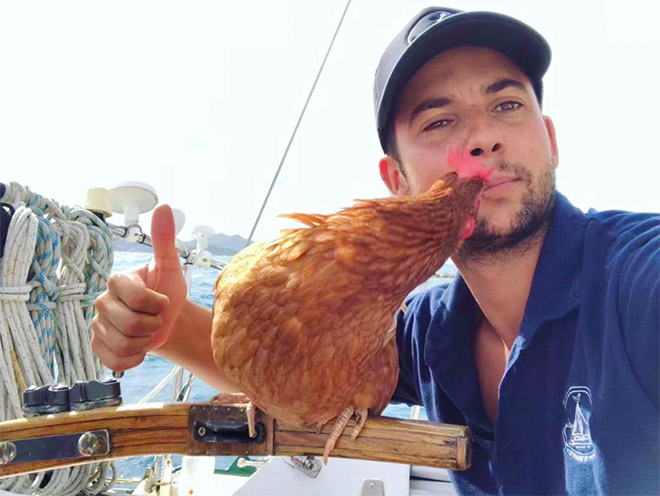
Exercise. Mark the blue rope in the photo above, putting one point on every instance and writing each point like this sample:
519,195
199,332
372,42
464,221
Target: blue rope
43,273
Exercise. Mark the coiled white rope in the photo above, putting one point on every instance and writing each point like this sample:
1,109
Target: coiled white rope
56,261
18,333
70,323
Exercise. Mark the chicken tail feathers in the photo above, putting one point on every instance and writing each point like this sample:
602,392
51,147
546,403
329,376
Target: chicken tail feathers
310,220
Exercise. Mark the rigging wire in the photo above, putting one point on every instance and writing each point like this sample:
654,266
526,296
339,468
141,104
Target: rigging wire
295,129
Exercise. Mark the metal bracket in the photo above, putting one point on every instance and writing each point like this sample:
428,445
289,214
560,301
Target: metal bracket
77,446
210,431
247,463
221,430
308,465
372,487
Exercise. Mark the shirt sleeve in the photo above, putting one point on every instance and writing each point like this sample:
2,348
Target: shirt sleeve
639,304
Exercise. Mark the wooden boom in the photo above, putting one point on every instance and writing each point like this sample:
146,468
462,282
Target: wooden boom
208,429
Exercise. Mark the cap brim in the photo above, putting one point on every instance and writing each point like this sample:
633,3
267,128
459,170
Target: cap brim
524,46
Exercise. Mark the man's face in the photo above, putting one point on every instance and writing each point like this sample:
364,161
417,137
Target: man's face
476,98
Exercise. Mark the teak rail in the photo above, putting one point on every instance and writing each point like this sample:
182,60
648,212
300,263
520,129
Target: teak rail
208,429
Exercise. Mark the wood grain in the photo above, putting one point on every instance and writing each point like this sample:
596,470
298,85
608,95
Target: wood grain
158,428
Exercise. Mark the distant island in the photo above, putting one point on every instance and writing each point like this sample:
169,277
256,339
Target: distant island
220,244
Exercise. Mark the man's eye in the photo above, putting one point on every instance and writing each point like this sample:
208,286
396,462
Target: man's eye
508,106
437,124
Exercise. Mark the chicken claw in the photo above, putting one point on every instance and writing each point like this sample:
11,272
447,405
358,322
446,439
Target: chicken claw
224,398
337,429
361,415
251,411
339,426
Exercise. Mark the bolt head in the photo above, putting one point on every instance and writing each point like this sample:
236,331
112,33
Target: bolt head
88,444
7,452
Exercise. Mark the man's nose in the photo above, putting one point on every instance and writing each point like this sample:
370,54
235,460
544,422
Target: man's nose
484,139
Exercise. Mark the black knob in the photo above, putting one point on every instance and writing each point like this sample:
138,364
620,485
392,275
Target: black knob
46,399
94,394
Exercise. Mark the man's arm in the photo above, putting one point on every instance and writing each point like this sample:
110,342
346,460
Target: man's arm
639,304
189,345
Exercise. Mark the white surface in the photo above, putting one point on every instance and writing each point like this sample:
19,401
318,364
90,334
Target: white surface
439,474
203,234
340,477
197,475
133,198
428,488
179,220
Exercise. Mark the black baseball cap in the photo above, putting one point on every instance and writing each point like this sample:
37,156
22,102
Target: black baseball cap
436,29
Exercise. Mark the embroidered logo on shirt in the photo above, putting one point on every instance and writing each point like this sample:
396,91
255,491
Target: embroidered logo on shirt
577,433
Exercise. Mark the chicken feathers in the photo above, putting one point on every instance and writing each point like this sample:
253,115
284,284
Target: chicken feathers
304,324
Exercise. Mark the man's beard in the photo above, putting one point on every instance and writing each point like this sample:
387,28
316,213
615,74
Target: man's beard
527,226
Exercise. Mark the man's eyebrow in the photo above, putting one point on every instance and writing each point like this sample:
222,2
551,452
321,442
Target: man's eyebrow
505,83
429,104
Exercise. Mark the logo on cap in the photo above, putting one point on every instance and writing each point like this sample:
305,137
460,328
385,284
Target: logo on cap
425,23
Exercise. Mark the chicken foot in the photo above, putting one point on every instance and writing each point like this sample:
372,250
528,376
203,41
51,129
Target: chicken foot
361,417
361,414
340,424
225,398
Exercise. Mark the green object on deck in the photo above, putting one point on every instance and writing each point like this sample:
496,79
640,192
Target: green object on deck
234,469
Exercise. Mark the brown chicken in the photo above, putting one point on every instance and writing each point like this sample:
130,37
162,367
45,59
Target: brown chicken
305,323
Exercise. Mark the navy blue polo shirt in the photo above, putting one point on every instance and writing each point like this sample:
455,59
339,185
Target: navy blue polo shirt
578,404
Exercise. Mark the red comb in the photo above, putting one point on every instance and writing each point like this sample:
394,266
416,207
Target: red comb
466,166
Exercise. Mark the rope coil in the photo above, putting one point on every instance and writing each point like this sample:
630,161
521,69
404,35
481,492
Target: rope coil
56,261
72,292
15,293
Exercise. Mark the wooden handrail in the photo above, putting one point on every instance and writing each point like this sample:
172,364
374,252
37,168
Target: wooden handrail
174,428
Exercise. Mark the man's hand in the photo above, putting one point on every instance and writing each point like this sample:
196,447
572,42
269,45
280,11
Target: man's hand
137,312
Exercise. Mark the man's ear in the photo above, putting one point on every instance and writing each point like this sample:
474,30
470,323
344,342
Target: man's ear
393,177
550,127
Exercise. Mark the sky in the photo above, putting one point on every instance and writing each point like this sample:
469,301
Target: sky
199,99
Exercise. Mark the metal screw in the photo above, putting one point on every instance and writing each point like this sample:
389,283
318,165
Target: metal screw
7,452
201,431
309,464
89,444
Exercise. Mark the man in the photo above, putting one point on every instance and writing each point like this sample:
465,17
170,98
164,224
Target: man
546,346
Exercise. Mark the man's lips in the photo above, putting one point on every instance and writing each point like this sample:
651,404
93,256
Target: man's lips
500,182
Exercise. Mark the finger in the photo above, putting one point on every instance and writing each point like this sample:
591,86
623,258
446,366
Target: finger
128,322
133,292
163,236
122,344
108,356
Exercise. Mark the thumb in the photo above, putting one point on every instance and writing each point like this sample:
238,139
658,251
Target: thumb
163,238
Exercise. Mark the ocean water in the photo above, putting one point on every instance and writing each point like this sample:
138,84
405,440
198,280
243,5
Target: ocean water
140,380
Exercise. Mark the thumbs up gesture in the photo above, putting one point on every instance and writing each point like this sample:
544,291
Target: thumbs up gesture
139,309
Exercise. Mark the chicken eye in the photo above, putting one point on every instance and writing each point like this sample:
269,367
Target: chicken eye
508,106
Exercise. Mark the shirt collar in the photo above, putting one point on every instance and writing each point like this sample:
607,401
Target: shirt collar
448,352
554,293
556,285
